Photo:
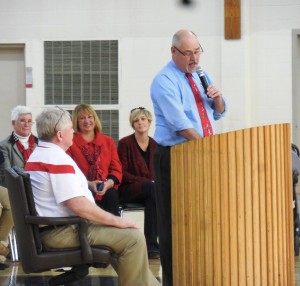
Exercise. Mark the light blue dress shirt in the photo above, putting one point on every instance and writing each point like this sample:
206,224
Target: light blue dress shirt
174,105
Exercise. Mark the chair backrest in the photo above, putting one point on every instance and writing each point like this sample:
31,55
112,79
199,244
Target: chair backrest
31,206
32,253
35,257
28,240
28,190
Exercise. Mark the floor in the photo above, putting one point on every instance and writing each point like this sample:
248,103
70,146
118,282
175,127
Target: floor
97,277
14,275
297,270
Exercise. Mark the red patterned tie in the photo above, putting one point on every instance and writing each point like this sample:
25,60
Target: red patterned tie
207,128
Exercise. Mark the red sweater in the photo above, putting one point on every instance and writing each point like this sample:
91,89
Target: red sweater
108,162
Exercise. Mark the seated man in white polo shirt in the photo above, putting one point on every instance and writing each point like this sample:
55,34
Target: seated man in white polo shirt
61,189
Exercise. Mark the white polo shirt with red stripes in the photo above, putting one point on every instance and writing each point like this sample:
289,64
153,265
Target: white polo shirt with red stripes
55,178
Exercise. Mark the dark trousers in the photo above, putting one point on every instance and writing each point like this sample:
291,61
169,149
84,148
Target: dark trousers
162,170
147,197
110,202
150,217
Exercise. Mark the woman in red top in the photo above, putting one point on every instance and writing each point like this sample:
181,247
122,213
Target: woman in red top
136,154
97,157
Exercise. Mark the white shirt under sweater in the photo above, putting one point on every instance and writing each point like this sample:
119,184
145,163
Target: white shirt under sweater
23,140
55,178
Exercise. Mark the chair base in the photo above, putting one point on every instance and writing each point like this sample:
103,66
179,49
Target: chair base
13,246
67,278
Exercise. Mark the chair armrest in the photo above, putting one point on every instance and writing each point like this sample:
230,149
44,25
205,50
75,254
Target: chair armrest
82,223
44,220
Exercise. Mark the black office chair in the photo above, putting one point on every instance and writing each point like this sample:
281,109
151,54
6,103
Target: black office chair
34,255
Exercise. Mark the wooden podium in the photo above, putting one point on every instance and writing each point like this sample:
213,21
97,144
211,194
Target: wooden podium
232,209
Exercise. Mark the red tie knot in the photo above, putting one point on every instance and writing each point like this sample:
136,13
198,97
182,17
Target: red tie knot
188,75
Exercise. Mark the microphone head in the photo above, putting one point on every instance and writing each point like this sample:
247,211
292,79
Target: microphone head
198,70
202,78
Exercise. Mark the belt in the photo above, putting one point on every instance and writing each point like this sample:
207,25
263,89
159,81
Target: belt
47,227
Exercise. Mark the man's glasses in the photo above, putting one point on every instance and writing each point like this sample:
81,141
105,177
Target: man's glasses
140,108
24,122
62,113
188,54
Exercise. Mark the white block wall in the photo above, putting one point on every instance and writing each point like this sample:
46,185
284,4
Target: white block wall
255,72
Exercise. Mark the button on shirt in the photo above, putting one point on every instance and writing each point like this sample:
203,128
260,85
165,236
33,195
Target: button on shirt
174,105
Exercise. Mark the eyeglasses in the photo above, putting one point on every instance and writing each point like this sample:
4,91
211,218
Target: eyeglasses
24,122
188,54
62,113
140,108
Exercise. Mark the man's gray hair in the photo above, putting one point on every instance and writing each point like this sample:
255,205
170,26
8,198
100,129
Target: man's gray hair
51,120
18,111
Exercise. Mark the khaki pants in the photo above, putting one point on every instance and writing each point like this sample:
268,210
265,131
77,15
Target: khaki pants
6,219
129,244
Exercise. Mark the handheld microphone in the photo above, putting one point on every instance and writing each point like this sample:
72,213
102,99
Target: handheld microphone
202,78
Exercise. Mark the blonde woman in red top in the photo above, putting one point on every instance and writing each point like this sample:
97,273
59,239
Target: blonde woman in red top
97,157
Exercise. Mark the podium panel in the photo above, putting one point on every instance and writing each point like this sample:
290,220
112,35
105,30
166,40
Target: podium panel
232,209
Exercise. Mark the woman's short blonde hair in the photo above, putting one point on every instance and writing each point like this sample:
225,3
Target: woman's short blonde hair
85,108
137,112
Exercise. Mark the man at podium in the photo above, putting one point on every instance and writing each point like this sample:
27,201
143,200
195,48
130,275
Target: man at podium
186,104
